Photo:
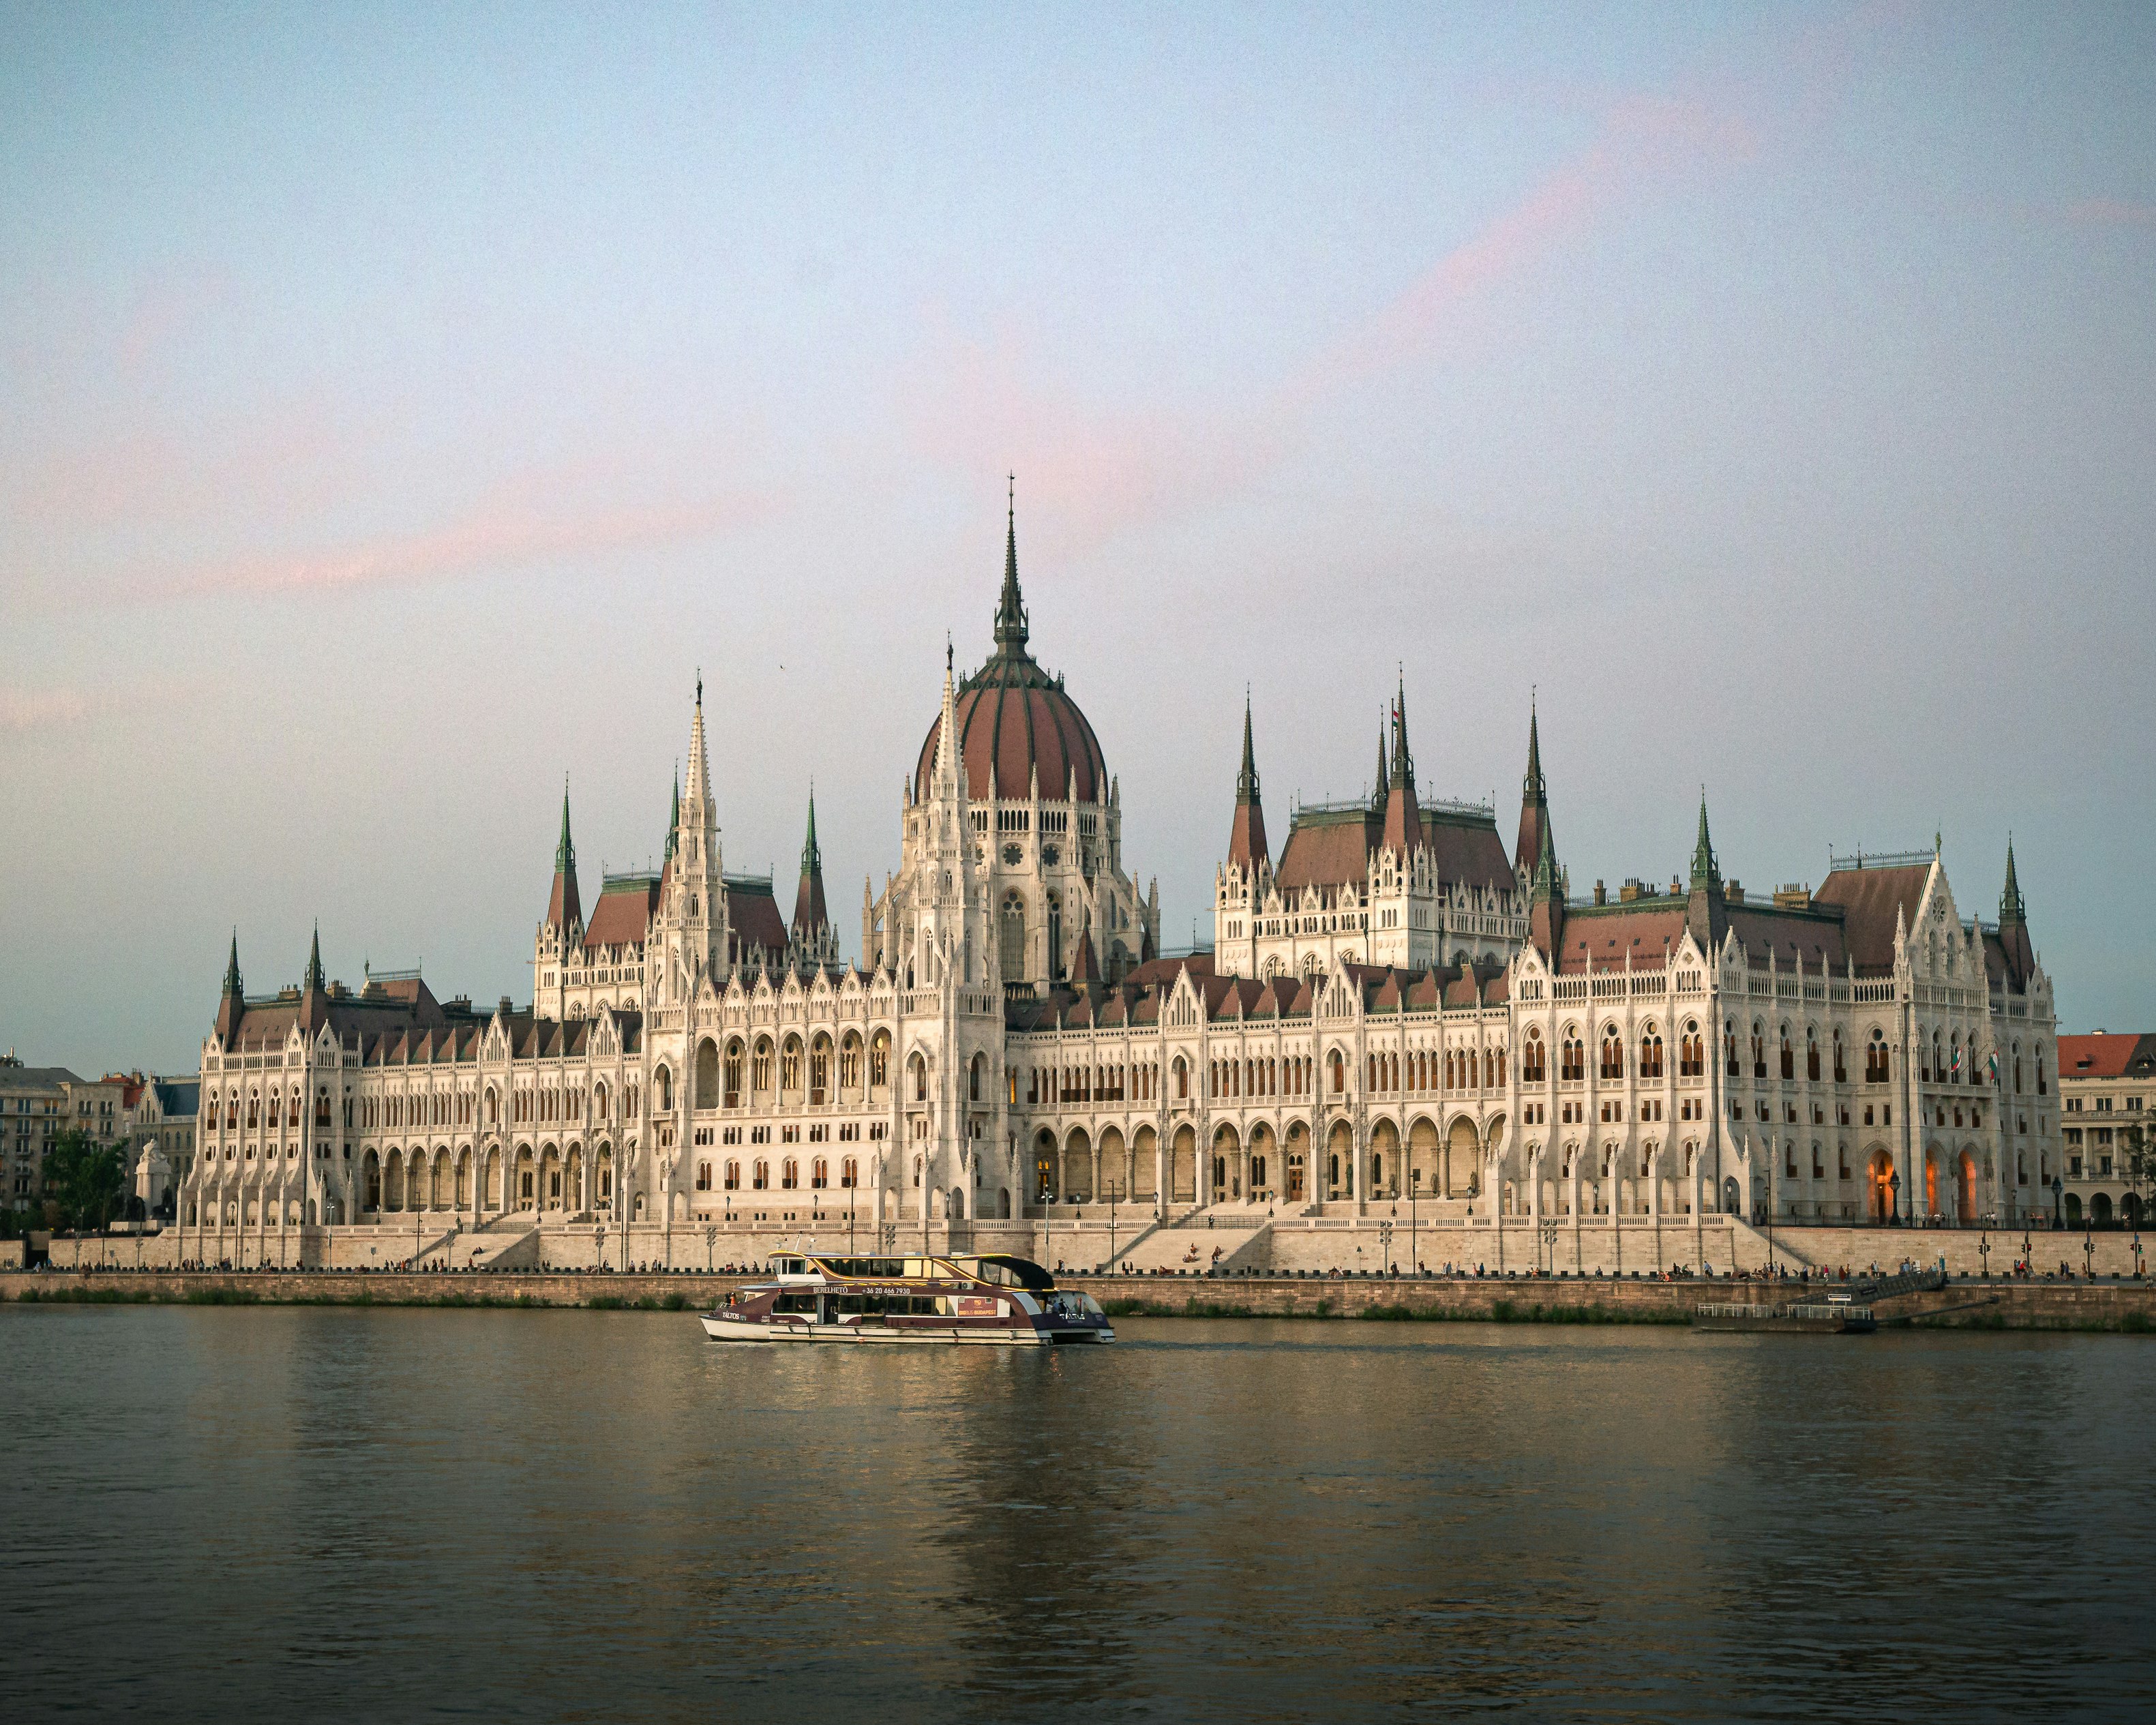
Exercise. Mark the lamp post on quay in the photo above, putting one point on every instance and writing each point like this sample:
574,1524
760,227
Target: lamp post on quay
2058,1205
1894,1186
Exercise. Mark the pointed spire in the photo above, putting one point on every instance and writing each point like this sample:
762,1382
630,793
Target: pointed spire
1534,799
232,967
1247,846
1705,872
1377,783
809,915
1011,623
673,818
1246,780
1403,771
314,977
562,908
2012,911
700,761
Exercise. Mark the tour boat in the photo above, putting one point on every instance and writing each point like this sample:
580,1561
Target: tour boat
990,1299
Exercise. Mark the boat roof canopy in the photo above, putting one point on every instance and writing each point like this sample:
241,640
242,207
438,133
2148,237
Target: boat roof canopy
1029,1274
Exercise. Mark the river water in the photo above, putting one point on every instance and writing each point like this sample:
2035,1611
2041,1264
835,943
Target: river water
378,1514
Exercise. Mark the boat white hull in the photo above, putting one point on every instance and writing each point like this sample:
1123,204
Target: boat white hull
726,1329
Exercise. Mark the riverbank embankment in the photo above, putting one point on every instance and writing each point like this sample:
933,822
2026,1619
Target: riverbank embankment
2103,1306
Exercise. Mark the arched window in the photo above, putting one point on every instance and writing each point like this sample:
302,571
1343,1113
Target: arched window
759,1067
849,1062
1182,1080
848,1175
733,1073
973,1076
1650,1054
789,1065
1840,1061
733,1176
1010,938
1875,1064
1759,1050
663,1081
820,1174
919,1068
1532,1066
703,1177
1788,1057
1573,1066
1613,1053
819,1070
707,1074
1811,1053
1339,1085
1691,1054
880,1060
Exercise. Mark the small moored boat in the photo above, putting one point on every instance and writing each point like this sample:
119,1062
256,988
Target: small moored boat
986,1299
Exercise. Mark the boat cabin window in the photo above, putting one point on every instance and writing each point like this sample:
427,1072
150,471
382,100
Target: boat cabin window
791,1267
804,1303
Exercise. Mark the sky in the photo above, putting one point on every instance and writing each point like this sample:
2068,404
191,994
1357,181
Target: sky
401,407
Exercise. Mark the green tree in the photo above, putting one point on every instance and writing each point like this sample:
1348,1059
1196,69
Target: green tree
2140,1161
87,1181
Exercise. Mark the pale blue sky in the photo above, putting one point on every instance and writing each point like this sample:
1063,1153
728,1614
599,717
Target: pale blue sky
397,408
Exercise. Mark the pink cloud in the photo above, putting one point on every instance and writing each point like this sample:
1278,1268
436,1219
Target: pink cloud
496,536
2111,213
26,710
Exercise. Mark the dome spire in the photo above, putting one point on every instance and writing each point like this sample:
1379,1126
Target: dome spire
1011,630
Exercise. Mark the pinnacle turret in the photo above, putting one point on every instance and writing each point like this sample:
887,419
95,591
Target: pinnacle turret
809,915
314,979
1534,802
232,967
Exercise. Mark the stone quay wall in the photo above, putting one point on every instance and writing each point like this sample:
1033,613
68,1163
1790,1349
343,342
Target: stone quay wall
1998,1304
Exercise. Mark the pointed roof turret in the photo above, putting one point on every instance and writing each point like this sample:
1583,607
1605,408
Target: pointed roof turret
1705,872
1706,905
314,977
314,1005
563,908
1247,847
1534,799
1085,966
2014,943
232,1005
1403,829
1377,783
673,816
810,917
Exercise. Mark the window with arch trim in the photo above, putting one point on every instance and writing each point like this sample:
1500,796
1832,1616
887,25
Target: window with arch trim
1533,1068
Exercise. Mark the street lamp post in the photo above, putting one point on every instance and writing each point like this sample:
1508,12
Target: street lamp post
1984,1253
2088,1250
1414,1237
1115,1192
1894,1190
2058,1205
710,1244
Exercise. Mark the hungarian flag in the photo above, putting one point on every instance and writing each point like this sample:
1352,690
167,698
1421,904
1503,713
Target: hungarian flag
1956,1063
1991,1067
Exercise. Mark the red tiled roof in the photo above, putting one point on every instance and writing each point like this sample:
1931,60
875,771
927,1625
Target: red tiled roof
2104,1056
622,916
1869,900
1006,728
1334,849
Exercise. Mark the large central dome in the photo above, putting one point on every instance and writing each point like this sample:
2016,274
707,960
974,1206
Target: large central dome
1013,719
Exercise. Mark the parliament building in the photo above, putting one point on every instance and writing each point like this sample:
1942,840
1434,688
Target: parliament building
1397,1011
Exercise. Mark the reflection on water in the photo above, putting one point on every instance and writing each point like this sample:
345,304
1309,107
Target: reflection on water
375,1514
